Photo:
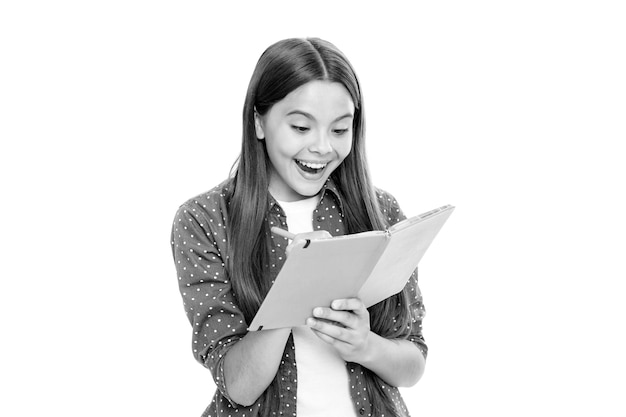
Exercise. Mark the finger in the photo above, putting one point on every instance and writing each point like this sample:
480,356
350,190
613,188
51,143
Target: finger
293,244
304,239
350,304
329,330
320,234
317,235
299,240
342,318
309,236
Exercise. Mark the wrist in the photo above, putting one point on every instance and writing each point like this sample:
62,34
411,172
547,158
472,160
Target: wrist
371,351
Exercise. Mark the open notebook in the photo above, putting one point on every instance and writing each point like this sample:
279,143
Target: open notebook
370,265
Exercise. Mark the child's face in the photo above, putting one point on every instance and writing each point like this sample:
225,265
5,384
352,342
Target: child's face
307,135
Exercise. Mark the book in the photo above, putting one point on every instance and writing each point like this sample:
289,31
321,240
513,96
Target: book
370,265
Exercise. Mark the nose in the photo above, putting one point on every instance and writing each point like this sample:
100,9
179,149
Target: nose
321,144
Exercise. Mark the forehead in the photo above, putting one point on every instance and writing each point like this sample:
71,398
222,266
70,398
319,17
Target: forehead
322,99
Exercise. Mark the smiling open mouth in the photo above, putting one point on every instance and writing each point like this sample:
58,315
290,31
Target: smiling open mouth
311,167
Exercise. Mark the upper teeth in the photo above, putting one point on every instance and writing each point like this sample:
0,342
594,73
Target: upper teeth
313,165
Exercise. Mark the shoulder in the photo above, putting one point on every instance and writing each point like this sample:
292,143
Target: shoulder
208,206
201,221
209,200
389,207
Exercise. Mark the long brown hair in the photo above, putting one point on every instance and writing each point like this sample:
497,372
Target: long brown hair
283,67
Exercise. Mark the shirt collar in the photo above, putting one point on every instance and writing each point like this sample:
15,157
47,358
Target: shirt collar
329,188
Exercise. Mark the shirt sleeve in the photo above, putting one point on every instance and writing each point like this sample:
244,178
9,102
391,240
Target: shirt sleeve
417,313
393,214
198,244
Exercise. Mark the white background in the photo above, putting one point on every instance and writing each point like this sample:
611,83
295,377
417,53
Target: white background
114,113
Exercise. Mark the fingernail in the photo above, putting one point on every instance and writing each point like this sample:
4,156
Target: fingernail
310,322
318,311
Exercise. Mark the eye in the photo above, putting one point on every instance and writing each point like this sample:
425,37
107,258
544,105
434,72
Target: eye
301,129
340,132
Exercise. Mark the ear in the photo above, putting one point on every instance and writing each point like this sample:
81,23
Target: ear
258,126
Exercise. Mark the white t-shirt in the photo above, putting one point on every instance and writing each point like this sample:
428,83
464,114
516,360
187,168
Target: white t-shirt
323,382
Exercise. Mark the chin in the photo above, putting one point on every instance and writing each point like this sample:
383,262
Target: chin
310,191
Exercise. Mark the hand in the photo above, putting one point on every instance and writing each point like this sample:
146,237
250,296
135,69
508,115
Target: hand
301,238
345,326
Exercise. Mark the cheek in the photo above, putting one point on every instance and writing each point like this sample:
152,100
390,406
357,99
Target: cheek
343,148
278,144
286,142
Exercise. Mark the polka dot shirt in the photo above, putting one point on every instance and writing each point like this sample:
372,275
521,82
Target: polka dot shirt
199,248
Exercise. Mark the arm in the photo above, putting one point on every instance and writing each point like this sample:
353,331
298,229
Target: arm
398,362
242,364
252,363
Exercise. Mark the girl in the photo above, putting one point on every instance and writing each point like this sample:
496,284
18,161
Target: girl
302,167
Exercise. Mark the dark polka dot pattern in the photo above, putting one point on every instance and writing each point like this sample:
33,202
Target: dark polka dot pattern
199,250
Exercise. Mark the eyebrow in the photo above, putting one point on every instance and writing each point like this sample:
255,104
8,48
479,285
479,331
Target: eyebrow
310,116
